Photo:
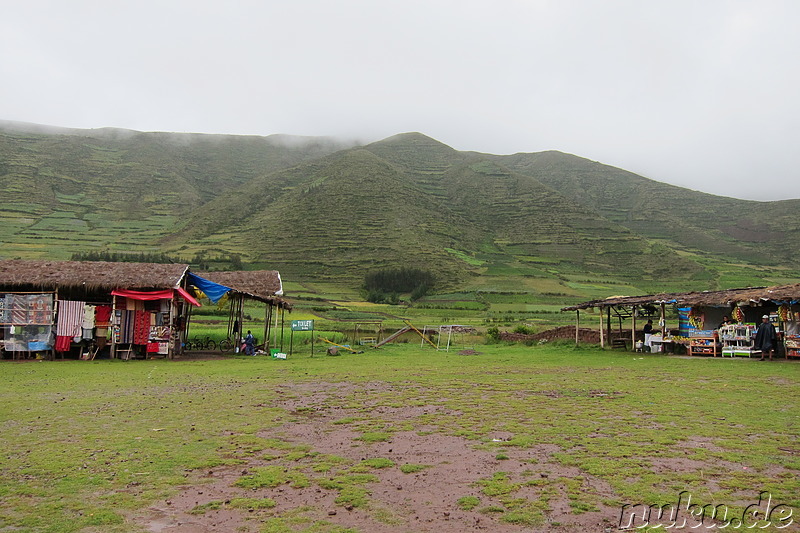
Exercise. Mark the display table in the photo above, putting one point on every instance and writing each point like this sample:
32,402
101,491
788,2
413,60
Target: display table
659,344
704,343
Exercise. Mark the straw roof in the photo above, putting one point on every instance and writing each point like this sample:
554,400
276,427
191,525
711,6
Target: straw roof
263,285
91,275
727,298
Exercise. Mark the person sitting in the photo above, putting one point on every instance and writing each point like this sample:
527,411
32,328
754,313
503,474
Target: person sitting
249,344
725,322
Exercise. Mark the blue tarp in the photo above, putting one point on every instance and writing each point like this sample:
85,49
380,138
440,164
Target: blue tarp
214,291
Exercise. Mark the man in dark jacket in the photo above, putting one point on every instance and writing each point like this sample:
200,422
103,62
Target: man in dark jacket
249,344
766,338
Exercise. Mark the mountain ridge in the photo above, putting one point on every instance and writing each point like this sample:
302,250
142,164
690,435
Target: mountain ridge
330,209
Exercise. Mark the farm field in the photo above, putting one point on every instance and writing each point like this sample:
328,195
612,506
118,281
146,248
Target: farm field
491,437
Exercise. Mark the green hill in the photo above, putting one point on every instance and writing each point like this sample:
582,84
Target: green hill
74,190
413,201
315,208
698,222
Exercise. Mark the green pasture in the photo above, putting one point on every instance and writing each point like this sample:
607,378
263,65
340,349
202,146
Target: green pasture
87,446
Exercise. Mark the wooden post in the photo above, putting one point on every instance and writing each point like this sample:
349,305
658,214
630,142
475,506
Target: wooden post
577,325
268,330
266,327
240,314
602,330
282,324
111,337
663,319
633,329
173,311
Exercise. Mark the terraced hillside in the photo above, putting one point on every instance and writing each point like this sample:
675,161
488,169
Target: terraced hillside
414,201
319,209
691,220
78,190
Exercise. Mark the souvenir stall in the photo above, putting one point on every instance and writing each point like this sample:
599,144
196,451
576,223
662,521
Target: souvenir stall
710,323
26,321
84,309
148,323
744,309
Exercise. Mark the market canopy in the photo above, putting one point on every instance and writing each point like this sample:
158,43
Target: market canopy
789,294
262,285
156,295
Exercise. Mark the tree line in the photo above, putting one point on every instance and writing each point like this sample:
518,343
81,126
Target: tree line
200,261
385,286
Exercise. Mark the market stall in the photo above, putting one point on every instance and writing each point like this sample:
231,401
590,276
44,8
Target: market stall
79,309
701,325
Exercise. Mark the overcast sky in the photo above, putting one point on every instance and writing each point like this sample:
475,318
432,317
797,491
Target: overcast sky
697,93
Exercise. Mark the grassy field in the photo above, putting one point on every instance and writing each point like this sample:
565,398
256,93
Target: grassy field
544,438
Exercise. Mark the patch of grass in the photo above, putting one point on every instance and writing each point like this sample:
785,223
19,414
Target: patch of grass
385,516
499,484
468,503
271,477
205,507
410,468
353,496
377,462
325,462
375,436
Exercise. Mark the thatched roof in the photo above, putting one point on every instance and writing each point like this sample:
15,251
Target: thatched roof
262,285
726,298
91,275
778,294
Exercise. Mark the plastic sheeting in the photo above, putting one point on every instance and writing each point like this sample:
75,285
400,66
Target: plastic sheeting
214,291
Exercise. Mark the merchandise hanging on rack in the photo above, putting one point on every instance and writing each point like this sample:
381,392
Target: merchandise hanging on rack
737,339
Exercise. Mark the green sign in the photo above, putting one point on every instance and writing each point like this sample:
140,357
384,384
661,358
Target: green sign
302,325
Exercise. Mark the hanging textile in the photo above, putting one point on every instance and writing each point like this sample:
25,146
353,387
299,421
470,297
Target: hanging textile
102,315
88,316
19,309
40,309
126,326
63,343
141,328
70,318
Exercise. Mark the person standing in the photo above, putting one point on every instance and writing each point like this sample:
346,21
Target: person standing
648,332
766,338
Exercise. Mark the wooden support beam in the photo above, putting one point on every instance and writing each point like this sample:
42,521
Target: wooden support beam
602,330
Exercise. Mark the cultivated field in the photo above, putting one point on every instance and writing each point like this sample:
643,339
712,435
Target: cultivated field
485,437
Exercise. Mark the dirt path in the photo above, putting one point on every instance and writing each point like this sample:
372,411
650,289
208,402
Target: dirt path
421,501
